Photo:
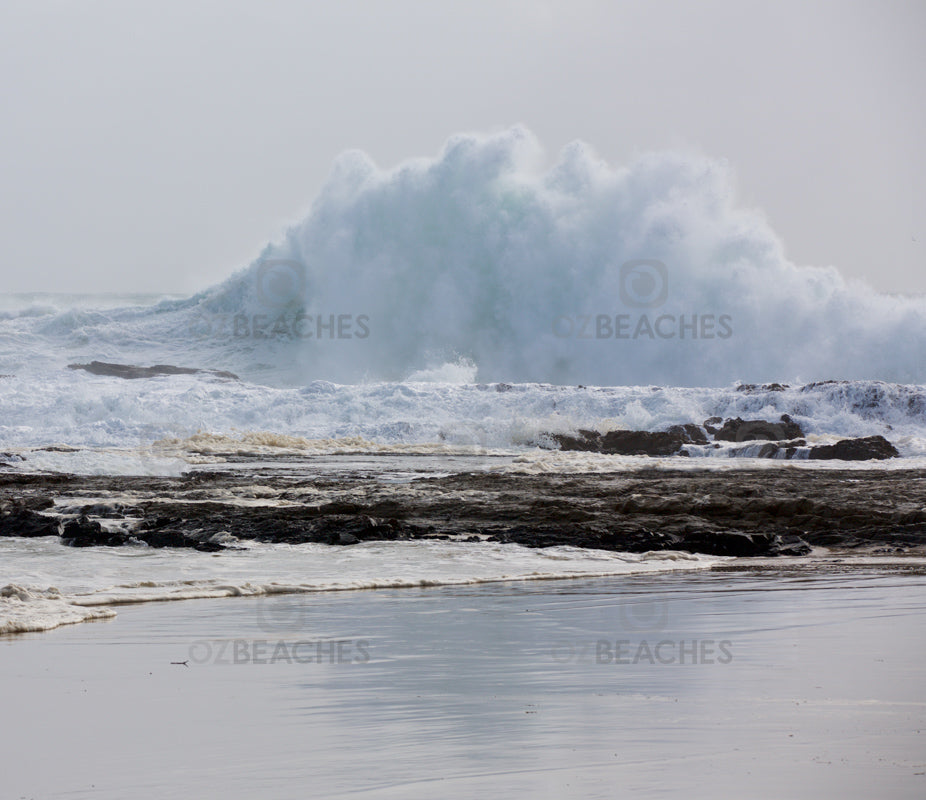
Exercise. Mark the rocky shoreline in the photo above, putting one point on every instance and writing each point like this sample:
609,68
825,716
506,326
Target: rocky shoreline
786,511
757,438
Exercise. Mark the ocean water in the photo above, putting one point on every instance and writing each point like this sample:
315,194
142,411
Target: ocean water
459,308
483,262
206,415
480,298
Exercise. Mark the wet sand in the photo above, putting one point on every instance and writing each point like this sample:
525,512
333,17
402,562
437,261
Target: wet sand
804,682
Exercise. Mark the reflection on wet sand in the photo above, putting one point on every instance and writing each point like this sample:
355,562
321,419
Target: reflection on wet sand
500,689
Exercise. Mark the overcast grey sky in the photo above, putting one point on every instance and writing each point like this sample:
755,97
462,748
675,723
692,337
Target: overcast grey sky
157,146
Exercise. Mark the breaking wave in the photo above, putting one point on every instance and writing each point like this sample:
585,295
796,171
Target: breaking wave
483,265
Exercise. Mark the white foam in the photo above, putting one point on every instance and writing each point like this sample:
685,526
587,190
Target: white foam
162,426
540,462
49,584
23,610
477,257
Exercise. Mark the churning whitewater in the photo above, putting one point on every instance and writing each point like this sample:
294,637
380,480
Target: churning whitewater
114,426
482,264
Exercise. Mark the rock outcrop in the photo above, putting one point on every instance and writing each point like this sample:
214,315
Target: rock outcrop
867,449
131,372
632,443
782,439
736,512
748,430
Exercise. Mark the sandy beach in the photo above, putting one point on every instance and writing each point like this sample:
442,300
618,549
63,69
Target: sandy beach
790,680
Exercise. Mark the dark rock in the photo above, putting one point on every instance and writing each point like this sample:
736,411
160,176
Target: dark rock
210,547
742,512
869,448
347,538
659,443
158,522
32,503
752,388
104,511
785,450
768,450
584,441
84,532
632,443
729,543
129,371
15,520
817,384
791,545
692,433
740,430
165,538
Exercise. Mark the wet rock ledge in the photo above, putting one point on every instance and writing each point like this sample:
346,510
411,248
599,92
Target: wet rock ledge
741,513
